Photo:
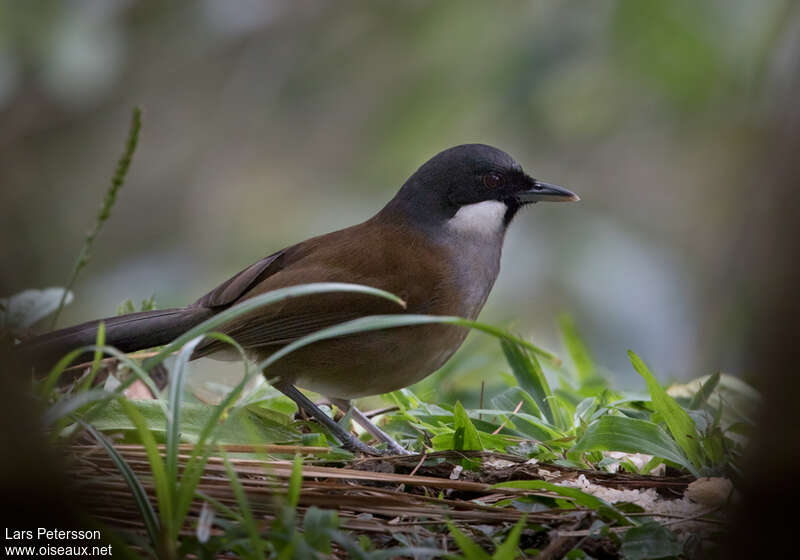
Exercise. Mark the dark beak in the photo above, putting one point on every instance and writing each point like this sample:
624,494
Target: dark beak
540,191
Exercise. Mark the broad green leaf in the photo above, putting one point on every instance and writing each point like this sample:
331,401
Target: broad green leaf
648,542
630,435
465,436
496,442
584,411
509,399
195,417
523,421
521,424
680,424
531,378
577,496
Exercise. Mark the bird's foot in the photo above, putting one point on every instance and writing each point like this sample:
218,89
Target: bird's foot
394,447
348,440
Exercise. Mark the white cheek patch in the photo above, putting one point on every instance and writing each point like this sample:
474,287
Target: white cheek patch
481,218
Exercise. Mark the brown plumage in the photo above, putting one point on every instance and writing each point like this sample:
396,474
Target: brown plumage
436,244
431,278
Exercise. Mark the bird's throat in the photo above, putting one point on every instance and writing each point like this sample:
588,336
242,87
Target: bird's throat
485,219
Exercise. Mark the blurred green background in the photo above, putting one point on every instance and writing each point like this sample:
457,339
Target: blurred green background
269,122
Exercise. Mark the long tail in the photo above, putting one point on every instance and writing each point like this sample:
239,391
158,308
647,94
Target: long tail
127,333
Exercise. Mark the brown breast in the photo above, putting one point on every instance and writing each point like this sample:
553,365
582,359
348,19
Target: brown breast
431,277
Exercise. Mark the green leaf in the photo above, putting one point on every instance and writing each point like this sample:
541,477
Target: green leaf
164,486
295,482
139,495
100,341
584,411
714,446
530,376
244,507
527,421
260,301
67,406
64,406
465,437
471,550
648,542
577,496
496,442
702,395
508,550
195,419
378,322
317,527
193,470
177,379
680,424
630,435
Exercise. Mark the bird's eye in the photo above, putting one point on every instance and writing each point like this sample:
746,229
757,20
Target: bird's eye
493,180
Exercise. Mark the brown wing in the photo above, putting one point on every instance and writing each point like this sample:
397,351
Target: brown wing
232,289
383,258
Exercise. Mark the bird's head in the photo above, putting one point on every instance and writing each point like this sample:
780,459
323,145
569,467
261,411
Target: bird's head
472,186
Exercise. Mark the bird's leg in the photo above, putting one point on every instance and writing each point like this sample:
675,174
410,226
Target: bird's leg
348,440
365,422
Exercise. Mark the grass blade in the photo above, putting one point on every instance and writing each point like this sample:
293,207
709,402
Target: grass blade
176,385
65,407
295,482
244,506
139,495
260,301
702,395
378,322
100,341
680,424
194,467
163,485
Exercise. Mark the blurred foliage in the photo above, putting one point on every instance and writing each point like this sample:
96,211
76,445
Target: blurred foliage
272,122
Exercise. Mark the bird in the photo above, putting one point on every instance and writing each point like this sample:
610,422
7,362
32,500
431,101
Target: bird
437,245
